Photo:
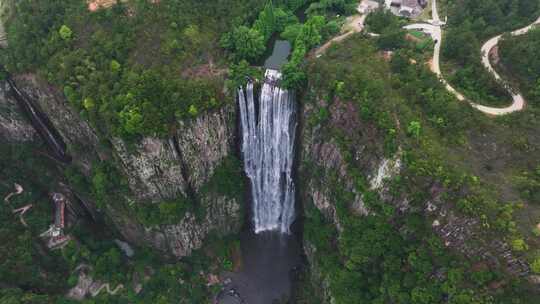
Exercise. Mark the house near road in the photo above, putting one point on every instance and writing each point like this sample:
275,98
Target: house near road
406,8
367,6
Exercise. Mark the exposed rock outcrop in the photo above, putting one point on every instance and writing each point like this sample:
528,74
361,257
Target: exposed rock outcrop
343,151
204,142
157,169
164,169
464,235
153,169
81,140
329,148
223,216
14,127
359,144
317,277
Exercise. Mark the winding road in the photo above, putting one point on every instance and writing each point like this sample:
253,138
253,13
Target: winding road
21,211
18,190
434,29
87,285
355,24
518,100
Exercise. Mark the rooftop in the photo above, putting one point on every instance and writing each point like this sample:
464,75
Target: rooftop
410,3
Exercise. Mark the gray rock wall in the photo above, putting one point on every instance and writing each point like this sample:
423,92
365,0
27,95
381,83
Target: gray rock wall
331,147
81,140
204,142
156,169
153,169
322,150
14,127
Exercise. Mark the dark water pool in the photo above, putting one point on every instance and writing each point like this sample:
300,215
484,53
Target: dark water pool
280,53
268,263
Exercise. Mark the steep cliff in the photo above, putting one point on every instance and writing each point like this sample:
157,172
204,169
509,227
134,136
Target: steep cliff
381,189
335,145
178,169
183,166
14,127
340,153
80,138
343,164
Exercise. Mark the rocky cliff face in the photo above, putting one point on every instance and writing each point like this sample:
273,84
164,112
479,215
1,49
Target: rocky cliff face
203,143
223,216
333,145
161,169
81,140
14,127
164,169
464,235
156,169
331,148
342,151
153,169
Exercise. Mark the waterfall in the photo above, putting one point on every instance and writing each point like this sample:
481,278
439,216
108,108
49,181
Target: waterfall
268,150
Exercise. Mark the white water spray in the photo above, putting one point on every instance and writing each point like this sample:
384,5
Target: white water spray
268,137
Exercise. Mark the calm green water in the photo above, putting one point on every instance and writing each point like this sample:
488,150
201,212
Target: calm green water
282,49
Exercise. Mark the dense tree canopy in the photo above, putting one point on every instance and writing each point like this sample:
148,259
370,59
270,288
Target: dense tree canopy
123,68
470,24
520,55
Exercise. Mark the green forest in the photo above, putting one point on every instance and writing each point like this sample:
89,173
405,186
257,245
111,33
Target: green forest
366,259
147,69
518,54
126,69
471,24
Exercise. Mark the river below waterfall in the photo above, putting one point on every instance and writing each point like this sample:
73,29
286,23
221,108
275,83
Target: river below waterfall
267,272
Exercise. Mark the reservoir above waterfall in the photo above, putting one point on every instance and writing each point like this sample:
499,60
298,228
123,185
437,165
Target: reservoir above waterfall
280,53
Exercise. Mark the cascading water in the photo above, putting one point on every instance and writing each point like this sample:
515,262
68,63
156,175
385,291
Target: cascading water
268,150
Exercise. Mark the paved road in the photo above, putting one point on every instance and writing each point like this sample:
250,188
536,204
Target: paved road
18,190
435,11
433,28
518,100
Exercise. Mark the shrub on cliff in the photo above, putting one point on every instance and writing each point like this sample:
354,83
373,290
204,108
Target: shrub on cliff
244,43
